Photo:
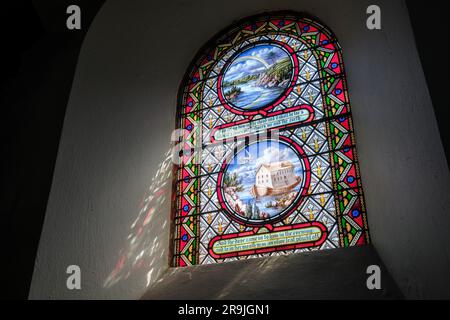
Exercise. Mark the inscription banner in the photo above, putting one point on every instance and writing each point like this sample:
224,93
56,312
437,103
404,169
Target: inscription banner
300,236
262,124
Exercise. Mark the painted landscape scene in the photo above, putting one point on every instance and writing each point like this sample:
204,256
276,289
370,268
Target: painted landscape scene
257,76
263,180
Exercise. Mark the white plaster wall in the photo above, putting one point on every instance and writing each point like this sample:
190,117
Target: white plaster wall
121,114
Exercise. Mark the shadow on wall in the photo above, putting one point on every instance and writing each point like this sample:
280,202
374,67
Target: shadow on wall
144,248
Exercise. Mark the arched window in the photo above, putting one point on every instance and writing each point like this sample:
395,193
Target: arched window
266,97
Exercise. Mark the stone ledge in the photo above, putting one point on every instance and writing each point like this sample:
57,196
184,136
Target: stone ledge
328,274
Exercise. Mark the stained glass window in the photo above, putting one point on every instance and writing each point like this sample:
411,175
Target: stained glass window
266,158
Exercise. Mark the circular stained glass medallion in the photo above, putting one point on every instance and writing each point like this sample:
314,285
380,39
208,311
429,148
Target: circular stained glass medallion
257,76
263,181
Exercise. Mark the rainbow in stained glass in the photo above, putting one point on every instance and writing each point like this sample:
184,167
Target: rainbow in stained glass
267,156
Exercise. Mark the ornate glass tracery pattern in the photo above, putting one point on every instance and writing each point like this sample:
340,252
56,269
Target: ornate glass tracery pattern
268,154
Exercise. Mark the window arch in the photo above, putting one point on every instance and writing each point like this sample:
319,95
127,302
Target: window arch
267,158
